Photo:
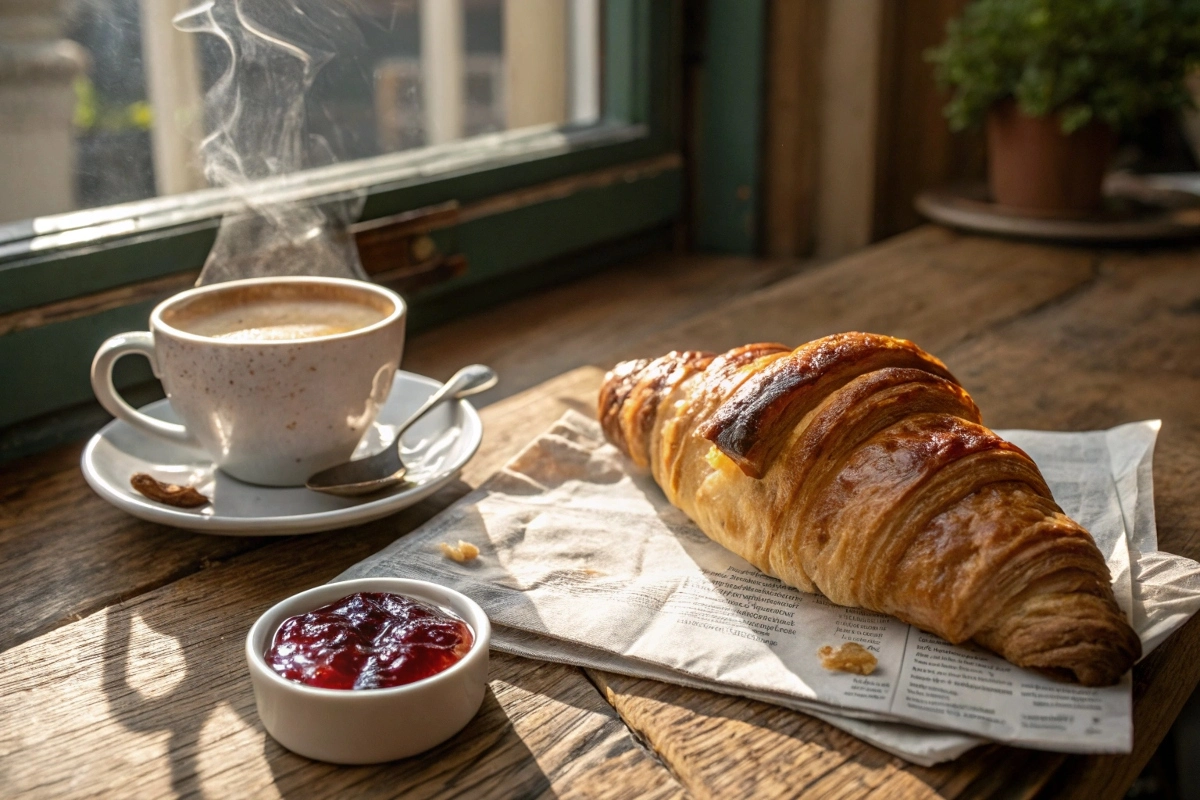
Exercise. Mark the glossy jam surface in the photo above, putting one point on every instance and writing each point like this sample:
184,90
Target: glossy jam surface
368,640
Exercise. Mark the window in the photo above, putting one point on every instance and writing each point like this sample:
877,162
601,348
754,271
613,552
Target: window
126,115
460,120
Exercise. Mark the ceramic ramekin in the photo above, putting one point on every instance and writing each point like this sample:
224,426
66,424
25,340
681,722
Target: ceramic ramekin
369,726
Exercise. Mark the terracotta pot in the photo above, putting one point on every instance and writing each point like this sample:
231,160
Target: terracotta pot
1033,167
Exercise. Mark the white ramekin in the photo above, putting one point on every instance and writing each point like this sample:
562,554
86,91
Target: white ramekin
369,726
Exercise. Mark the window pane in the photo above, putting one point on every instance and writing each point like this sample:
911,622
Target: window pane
108,104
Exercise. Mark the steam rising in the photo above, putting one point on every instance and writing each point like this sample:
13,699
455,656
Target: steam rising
261,129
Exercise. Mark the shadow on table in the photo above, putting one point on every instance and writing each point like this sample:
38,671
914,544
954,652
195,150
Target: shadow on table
485,759
793,737
181,711
188,680
800,755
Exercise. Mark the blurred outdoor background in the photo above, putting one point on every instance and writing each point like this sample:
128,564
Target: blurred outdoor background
102,102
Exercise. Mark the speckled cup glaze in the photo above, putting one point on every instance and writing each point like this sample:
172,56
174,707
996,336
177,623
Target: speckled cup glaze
268,412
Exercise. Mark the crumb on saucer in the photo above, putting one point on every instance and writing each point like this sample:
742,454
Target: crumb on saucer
167,493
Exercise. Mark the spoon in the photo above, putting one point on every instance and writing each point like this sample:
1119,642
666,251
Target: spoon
384,469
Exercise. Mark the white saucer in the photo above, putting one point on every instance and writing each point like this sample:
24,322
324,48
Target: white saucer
434,450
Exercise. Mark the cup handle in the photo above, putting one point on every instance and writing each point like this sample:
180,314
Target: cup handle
102,384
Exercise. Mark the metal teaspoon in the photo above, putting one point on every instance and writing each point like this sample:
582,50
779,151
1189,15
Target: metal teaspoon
384,469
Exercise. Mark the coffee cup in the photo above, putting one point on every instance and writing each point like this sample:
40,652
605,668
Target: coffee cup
275,378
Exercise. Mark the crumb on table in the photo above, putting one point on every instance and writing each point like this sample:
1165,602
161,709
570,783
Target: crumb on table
850,657
463,551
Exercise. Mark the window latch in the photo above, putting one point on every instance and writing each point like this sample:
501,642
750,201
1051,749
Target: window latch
402,252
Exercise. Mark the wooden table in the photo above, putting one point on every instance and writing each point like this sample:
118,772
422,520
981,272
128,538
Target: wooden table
121,667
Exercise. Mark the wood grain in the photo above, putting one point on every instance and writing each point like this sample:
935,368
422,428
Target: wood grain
849,125
783,753
66,553
795,48
63,310
1043,338
854,122
1126,349
930,285
152,697
565,187
590,321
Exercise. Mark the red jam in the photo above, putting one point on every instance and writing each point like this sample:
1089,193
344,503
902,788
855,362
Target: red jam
368,640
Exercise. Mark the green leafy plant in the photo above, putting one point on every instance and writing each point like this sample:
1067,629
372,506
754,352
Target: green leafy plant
1115,61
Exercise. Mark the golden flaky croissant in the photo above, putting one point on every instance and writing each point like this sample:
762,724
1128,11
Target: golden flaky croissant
856,466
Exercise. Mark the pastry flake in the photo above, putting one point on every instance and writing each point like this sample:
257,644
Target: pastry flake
463,551
849,657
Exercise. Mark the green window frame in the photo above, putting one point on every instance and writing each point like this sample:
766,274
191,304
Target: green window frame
626,179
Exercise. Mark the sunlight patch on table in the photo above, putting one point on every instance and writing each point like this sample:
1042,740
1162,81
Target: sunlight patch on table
155,665
66,708
230,762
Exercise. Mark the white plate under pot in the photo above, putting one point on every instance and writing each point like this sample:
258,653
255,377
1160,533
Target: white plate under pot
434,450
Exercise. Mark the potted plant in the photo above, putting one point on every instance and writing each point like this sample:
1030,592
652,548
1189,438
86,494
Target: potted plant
1056,81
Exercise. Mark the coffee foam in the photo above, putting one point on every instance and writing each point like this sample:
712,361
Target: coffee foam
277,312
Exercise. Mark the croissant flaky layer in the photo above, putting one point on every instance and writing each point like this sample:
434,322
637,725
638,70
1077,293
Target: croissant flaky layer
856,466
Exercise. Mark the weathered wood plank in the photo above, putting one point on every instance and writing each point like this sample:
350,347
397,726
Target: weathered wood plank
58,567
152,697
590,321
782,753
65,553
848,127
931,285
156,289
790,153
1043,338
1126,349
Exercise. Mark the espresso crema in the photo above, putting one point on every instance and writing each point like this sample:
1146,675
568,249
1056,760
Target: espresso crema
283,320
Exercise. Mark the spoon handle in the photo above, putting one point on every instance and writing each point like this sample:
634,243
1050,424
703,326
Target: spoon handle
466,382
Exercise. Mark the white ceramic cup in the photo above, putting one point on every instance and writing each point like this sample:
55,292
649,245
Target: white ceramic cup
268,412
369,726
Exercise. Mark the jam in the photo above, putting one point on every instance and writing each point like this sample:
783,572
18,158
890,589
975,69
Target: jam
368,640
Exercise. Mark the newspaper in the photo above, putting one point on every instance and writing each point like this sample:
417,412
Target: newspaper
583,560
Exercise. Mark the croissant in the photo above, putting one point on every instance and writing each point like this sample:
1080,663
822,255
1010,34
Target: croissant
856,466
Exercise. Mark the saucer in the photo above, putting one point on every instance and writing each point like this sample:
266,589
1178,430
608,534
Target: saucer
434,450
1121,219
